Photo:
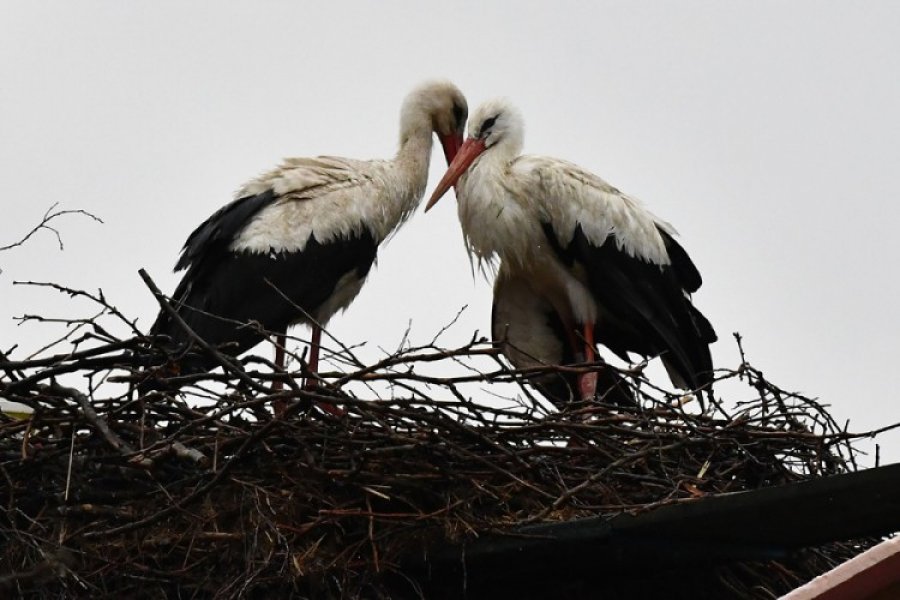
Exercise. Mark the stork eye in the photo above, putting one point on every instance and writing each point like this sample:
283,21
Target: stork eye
488,123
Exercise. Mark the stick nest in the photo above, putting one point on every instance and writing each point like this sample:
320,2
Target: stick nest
206,493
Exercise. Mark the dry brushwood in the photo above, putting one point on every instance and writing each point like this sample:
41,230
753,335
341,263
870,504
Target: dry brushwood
204,493
47,224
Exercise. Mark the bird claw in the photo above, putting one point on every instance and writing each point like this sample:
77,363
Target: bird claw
587,384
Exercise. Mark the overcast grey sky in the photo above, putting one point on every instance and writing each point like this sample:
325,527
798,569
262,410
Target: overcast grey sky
768,133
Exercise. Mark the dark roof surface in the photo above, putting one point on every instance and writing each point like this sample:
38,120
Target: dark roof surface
676,540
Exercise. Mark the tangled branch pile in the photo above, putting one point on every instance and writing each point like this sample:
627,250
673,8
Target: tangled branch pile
206,492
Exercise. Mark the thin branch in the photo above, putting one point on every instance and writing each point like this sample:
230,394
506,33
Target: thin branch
49,216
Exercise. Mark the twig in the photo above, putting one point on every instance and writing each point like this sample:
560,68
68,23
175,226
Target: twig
49,216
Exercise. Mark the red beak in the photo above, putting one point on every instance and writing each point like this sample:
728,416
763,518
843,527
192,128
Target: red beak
468,152
451,143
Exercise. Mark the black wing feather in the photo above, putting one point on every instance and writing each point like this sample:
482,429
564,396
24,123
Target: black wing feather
685,270
212,237
643,306
224,290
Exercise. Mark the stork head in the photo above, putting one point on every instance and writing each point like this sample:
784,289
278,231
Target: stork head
440,106
495,125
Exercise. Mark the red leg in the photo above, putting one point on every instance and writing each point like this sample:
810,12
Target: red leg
280,341
589,353
311,384
587,382
279,405
314,344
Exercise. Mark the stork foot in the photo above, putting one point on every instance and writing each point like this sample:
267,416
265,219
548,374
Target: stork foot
331,409
312,385
280,407
587,384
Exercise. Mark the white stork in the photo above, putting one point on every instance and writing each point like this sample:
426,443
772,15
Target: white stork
611,270
297,243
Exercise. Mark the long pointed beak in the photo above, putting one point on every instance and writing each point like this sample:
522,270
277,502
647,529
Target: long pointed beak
451,143
467,154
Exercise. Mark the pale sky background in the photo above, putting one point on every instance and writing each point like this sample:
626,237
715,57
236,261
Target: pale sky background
768,133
